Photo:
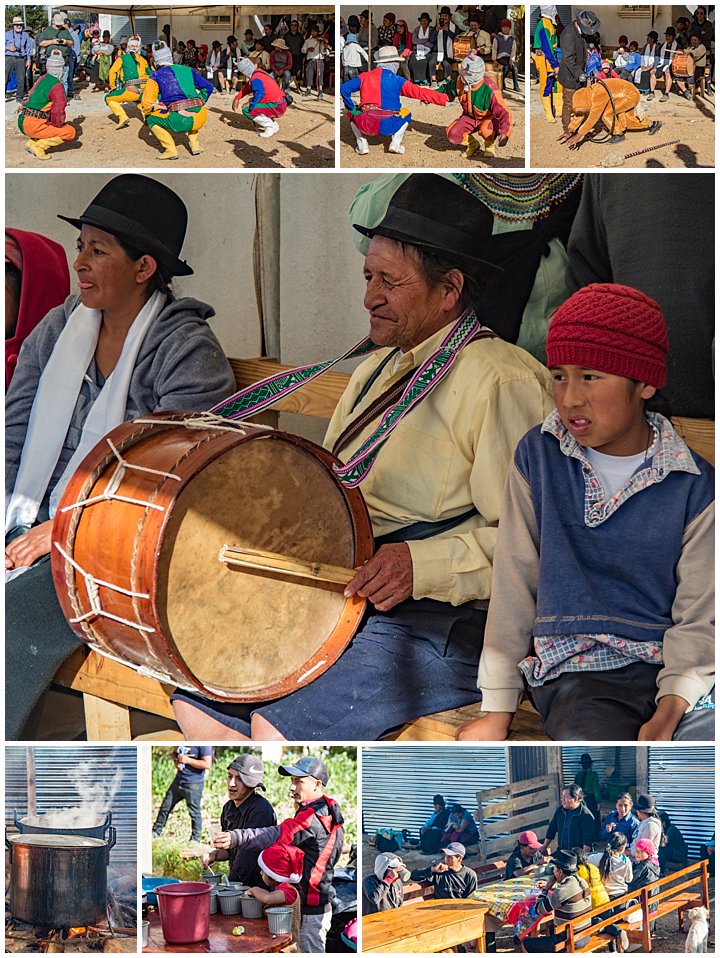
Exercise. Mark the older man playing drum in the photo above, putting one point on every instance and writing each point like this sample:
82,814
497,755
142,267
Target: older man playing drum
445,401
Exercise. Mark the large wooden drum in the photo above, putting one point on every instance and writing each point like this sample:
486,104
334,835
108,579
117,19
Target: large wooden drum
138,545
682,64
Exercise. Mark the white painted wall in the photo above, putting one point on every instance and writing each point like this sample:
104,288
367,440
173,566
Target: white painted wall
634,28
218,245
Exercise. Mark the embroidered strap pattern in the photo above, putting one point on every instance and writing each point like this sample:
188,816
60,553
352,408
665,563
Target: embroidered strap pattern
254,399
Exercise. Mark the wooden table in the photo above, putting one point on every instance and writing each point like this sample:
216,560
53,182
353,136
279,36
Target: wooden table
425,926
256,939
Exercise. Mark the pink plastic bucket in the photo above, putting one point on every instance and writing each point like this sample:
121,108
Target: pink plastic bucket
184,911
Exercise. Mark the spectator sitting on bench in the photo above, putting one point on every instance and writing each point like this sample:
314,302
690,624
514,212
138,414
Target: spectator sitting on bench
525,857
615,867
673,851
568,896
431,833
583,609
451,878
384,889
646,867
461,827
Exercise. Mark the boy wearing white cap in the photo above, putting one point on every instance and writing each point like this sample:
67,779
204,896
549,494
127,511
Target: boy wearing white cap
384,889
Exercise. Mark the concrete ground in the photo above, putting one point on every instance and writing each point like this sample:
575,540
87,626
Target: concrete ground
306,138
666,938
692,122
426,144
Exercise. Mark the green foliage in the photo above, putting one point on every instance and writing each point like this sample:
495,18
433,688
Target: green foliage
171,854
36,17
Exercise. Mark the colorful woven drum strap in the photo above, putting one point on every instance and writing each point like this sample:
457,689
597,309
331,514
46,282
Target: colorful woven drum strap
254,399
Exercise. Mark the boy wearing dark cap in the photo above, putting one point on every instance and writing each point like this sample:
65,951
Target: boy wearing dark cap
317,831
246,808
603,584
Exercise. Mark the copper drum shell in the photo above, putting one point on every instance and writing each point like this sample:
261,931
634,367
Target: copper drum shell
190,620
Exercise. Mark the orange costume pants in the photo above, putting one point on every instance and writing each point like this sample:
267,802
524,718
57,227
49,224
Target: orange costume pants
36,129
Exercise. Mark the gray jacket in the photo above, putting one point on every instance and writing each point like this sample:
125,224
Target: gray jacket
180,366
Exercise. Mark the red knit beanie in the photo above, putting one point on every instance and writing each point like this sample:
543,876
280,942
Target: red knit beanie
614,329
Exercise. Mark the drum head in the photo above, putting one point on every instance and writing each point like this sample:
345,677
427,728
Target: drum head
242,631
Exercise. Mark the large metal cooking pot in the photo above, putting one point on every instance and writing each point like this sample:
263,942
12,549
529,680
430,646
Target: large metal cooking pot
57,880
31,825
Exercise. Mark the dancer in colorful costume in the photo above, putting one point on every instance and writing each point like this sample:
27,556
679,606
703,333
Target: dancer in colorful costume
547,60
485,118
42,118
174,102
380,111
268,101
128,76
612,103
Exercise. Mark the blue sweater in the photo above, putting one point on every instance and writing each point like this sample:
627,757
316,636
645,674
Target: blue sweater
617,577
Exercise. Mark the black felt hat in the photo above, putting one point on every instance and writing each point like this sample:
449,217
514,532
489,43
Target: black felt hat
143,213
566,861
434,214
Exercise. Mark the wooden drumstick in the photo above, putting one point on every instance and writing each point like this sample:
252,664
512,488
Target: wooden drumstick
288,565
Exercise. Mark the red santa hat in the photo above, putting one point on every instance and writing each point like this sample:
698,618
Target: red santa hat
282,862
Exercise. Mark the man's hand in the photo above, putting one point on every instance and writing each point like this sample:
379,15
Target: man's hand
222,840
575,141
439,869
30,546
207,859
386,579
663,724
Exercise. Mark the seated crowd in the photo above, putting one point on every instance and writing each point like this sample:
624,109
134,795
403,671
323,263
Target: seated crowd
635,844
429,47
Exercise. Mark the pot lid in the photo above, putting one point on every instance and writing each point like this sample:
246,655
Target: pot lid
57,841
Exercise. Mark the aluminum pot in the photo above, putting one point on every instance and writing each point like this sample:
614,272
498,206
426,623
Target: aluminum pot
57,880
31,825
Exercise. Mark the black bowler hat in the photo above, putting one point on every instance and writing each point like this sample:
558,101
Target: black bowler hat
424,16
142,213
588,22
566,861
434,214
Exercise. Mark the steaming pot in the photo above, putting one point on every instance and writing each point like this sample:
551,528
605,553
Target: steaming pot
104,831
59,881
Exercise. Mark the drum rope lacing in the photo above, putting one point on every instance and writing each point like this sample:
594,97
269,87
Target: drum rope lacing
117,477
93,586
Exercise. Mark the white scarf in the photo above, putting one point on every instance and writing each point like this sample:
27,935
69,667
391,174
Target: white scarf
423,45
55,402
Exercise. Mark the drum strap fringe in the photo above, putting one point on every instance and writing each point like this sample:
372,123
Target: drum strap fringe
263,394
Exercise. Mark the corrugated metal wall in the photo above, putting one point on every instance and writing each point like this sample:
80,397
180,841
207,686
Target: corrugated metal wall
682,781
528,761
398,782
54,768
604,757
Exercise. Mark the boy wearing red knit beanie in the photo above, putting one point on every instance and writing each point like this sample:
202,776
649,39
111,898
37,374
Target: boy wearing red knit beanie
602,591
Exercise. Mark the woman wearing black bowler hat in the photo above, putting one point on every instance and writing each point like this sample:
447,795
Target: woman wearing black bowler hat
121,348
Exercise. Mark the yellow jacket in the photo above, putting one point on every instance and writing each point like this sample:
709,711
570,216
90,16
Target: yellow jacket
598,892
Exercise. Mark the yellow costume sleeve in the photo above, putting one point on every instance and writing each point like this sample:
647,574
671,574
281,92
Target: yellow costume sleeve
149,97
116,73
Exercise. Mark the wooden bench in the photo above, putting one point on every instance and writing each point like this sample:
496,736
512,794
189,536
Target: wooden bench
110,690
662,897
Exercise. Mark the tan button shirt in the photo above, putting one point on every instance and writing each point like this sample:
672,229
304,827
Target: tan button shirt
451,452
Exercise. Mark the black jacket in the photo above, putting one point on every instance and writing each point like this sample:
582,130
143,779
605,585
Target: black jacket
254,812
574,58
582,828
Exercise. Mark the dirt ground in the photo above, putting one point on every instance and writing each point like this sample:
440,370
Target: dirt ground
690,121
666,938
426,144
306,138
